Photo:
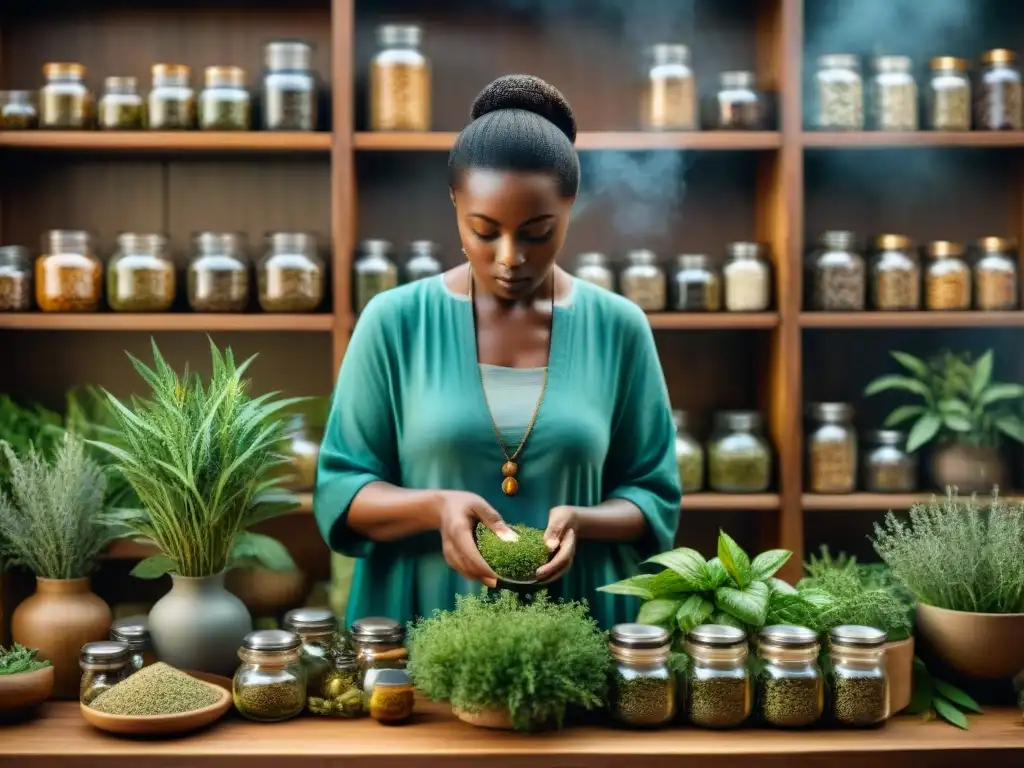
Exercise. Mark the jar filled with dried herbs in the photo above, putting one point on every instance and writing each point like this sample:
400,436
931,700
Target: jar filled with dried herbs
739,457
894,106
998,105
670,96
790,685
858,678
342,694
65,103
593,268
291,273
838,274
995,274
948,277
949,95
316,628
840,89
689,455
895,274
218,274
121,107
696,284
643,686
399,81
643,281
747,279
379,644
15,279
888,468
270,684
172,102
423,261
141,275
69,278
718,686
104,664
740,107
133,631
375,272
392,699
289,86
832,449
18,111
302,450
224,102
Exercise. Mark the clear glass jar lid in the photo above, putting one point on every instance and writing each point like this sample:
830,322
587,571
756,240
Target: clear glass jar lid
639,636
839,240
133,631
788,636
63,70
64,240
670,53
18,98
224,77
421,248
220,242
942,249
1001,56
14,256
291,242
381,248
893,437
680,418
737,80
853,635
271,640
121,86
288,55
831,411
997,244
739,421
399,35
141,242
311,620
175,75
744,250
641,257
893,64
949,63
693,261
105,652
717,636
839,61
893,242
377,629
392,678
592,259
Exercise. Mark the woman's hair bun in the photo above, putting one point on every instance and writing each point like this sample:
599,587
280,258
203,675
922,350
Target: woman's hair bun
528,93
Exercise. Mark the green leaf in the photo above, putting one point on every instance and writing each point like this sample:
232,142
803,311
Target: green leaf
905,383
903,413
717,575
982,375
154,567
768,563
735,560
923,690
721,617
956,696
998,392
749,605
915,365
688,563
1011,426
951,714
256,549
955,406
781,587
659,612
957,423
667,583
694,611
635,586
923,431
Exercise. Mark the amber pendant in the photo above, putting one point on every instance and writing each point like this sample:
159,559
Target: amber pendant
510,486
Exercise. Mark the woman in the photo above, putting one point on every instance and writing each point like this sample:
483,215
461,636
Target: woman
502,391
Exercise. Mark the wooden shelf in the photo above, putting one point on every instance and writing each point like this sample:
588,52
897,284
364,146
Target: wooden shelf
711,321
169,141
168,321
730,501
878,502
588,140
883,139
857,320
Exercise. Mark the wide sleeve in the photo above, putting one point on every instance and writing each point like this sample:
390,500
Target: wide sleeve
359,443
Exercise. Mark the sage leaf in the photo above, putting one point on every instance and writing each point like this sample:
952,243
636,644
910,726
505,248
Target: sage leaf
749,605
924,431
998,392
982,376
956,696
717,575
667,583
893,381
768,563
1011,426
915,365
688,563
694,611
727,619
635,586
901,414
957,423
951,714
735,560
154,567
661,613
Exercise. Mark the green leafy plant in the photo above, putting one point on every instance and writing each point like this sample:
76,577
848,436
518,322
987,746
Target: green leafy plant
18,659
933,697
514,560
202,461
535,659
959,400
24,427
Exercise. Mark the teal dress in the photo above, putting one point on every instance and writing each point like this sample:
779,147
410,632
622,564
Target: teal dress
409,409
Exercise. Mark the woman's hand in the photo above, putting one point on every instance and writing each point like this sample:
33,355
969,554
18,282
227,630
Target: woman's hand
560,537
458,512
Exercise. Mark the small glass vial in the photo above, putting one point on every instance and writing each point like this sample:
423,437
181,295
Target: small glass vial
302,449
141,275
171,105
218,274
895,94
224,102
838,274
670,98
593,268
316,628
739,457
18,111
697,285
689,455
133,631
895,275
69,278
423,261
995,274
15,279
790,684
719,691
998,102
740,106
832,449
643,686
379,644
289,86
399,81
840,89
290,274
949,95
393,698
65,103
121,107
270,684
747,279
342,692
643,281
888,468
104,664
375,272
948,277
858,678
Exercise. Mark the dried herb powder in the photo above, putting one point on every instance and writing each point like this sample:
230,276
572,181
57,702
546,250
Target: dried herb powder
718,702
789,702
643,700
859,700
156,690
271,701
515,560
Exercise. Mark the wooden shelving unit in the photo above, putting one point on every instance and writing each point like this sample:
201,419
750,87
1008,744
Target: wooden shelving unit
879,502
861,320
883,139
587,141
177,321
168,142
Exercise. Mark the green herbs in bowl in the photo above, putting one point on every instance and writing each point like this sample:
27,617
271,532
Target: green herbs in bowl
514,561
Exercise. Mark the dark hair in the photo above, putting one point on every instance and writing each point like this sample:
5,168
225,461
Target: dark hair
520,123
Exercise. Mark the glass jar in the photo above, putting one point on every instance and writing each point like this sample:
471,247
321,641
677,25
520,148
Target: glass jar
739,458
65,103
949,95
858,678
15,279
120,108
998,102
218,274
172,102
133,631
643,686
379,644
342,694
224,102
18,111
739,103
140,276
948,277
399,81
375,272
291,274
995,274
316,628
838,279
270,684
643,281
895,275
104,664
718,686
69,278
894,89
689,455
697,284
393,697
289,86
670,97
790,685
888,468
593,268
303,452
422,261
747,279
832,449
840,89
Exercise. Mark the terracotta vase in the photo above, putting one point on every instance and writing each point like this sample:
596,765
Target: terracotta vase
899,663
268,593
61,617
985,646
968,468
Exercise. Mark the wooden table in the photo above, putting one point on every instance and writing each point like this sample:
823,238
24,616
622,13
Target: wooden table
59,737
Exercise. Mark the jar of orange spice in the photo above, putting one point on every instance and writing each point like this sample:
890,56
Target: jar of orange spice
69,277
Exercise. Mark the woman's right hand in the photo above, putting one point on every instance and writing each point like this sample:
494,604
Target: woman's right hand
457,514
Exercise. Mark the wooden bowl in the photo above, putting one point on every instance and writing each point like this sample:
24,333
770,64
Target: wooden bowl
26,690
983,646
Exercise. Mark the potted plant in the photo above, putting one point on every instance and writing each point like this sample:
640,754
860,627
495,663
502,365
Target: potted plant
51,523
203,461
961,409
25,681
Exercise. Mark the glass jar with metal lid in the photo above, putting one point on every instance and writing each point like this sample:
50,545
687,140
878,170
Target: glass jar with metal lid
643,281
15,279
393,697
888,468
141,275
894,92
133,631
121,107
643,686
838,280
104,664
747,279
739,457
342,692
316,628
289,86
858,678
790,684
670,97
895,275
998,104
697,285
379,644
218,274
718,685
18,110
740,106
171,105
399,80
949,95
423,261
224,102
375,272
69,277
689,455
840,89
291,273
832,449
947,279
593,268
65,103
995,274
270,684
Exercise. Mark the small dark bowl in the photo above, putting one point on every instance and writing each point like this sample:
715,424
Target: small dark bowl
521,588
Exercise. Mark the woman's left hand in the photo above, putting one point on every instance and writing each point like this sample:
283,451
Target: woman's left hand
560,537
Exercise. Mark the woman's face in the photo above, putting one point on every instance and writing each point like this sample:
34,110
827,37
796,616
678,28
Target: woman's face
512,225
